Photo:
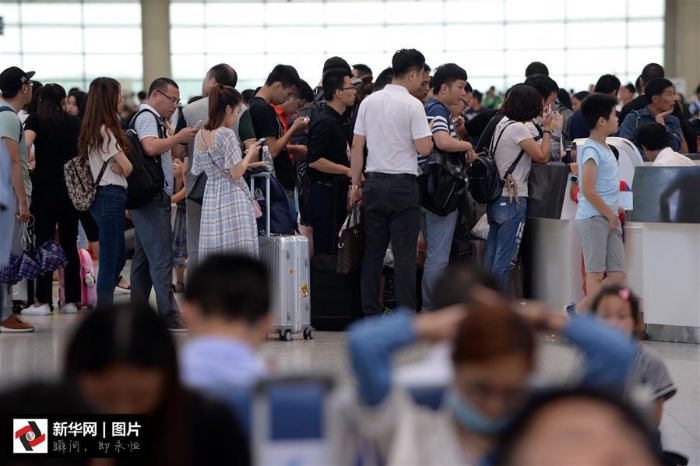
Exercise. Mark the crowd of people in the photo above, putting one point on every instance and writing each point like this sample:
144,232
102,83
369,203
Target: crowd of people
352,139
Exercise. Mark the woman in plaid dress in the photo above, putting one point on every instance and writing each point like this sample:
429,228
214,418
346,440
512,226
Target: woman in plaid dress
228,221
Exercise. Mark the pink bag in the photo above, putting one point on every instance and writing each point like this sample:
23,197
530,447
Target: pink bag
88,282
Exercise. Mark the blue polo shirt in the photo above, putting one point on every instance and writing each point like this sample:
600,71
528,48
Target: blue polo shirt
638,118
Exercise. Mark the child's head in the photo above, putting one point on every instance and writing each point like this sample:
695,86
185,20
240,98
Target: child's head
598,112
229,292
618,306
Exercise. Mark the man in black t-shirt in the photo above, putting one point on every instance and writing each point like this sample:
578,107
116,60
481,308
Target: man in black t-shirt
329,163
279,87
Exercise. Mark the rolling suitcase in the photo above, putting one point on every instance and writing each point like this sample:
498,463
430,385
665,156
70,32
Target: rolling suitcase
287,257
88,282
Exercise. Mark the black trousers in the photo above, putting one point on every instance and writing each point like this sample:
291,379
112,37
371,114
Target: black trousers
392,213
51,206
326,204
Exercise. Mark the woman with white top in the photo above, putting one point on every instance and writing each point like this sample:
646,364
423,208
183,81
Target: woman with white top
104,143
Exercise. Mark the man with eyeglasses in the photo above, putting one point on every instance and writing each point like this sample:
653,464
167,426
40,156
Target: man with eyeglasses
152,264
329,162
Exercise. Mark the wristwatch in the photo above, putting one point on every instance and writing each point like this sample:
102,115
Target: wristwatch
574,179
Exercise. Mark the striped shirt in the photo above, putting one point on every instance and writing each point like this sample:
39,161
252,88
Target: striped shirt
442,119
147,126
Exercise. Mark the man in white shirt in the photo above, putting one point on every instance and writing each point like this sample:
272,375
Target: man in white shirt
653,139
393,125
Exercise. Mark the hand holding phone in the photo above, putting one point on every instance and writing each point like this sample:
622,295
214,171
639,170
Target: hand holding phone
199,125
260,142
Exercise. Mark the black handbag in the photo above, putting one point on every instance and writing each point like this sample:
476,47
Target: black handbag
351,243
442,181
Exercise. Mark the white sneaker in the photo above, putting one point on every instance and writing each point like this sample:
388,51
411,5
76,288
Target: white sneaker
69,308
43,310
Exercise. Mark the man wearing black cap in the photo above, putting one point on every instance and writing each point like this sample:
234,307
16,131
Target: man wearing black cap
16,89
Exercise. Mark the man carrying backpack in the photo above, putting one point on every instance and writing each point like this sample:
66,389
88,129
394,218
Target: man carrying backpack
449,84
152,264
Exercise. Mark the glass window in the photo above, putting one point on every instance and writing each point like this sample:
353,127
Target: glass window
425,38
340,39
595,61
517,10
113,40
112,13
293,13
647,9
482,63
583,35
10,41
474,37
51,13
542,36
644,33
43,39
235,39
117,66
187,40
186,14
226,14
638,58
346,13
292,39
430,12
596,9
54,66
479,12
192,66
10,12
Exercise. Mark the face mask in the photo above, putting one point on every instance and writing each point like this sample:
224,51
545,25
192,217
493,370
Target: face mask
471,419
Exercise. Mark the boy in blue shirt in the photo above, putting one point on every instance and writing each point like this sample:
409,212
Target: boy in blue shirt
597,222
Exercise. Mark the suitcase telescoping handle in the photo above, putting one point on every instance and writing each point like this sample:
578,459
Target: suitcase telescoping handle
266,176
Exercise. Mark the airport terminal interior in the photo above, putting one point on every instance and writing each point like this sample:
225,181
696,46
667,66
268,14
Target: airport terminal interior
616,89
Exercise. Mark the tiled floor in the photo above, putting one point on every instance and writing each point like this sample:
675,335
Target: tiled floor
39,354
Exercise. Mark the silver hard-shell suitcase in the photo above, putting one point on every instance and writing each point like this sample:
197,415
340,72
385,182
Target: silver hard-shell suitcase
287,257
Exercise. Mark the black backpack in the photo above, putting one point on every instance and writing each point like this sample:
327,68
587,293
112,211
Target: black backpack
146,179
485,182
442,179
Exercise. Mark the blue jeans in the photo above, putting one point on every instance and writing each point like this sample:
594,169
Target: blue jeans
152,264
438,234
108,211
506,226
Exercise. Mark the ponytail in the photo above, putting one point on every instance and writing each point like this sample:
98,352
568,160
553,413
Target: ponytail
220,97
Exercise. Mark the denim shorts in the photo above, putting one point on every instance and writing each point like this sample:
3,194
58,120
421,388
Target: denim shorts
603,250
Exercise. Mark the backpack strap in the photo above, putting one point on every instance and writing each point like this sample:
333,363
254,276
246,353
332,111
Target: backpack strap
517,159
8,109
102,172
159,123
492,148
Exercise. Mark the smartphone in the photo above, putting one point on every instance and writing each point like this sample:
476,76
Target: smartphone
199,125
260,142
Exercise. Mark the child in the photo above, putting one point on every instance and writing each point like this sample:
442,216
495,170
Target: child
597,222
618,306
179,228
227,302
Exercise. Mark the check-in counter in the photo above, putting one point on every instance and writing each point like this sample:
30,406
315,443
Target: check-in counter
663,250
551,249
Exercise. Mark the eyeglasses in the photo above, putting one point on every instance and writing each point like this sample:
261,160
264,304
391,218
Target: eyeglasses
174,100
347,88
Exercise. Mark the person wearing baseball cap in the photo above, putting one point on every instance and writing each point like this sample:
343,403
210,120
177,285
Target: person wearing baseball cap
16,88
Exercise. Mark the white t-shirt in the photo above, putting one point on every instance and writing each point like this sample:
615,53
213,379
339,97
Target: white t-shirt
99,156
391,120
508,149
669,158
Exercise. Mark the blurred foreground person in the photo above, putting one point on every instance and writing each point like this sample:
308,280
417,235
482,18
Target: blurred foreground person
122,360
493,357
576,428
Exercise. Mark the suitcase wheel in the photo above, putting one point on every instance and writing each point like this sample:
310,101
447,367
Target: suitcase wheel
285,335
308,333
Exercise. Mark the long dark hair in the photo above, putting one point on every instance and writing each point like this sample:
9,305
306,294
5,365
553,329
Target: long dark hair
53,119
80,101
136,336
219,98
101,109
